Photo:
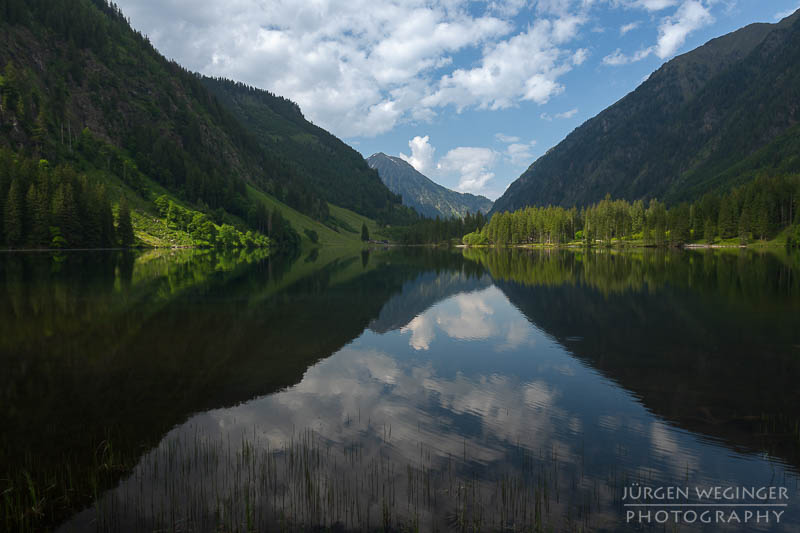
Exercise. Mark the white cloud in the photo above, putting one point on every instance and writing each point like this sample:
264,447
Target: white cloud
524,67
509,8
651,5
520,153
617,58
580,56
422,154
357,67
566,114
628,27
474,318
783,14
673,30
517,153
506,138
422,333
361,67
690,16
517,335
472,165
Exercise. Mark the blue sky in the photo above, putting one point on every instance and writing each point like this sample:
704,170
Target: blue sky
469,92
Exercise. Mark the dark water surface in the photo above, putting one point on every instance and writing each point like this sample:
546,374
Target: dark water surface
400,390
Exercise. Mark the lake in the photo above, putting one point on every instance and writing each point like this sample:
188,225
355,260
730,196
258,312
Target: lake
401,389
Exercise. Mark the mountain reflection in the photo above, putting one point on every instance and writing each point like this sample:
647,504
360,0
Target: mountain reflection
396,389
511,392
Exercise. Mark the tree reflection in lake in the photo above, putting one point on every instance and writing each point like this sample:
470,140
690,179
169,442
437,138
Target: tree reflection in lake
514,390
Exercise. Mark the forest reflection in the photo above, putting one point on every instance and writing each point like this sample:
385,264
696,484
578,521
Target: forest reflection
734,273
106,353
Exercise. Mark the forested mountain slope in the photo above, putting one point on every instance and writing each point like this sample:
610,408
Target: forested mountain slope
421,193
84,91
336,172
709,119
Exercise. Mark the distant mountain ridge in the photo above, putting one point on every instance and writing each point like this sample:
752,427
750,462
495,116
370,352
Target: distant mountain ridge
421,193
708,119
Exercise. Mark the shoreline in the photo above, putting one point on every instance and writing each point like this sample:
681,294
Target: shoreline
617,246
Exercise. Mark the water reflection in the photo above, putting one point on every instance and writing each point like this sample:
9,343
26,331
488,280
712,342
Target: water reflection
513,401
397,389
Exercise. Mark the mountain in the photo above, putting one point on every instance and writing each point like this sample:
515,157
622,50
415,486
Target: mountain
709,119
420,192
332,168
84,91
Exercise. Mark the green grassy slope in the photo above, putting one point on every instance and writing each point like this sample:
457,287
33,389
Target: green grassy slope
347,232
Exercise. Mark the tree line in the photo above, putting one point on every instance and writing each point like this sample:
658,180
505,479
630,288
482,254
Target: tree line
435,230
44,207
758,210
722,274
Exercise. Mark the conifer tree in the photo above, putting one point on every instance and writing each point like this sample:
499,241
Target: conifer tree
124,225
13,215
108,236
744,226
364,232
708,231
39,216
65,215
727,216
761,218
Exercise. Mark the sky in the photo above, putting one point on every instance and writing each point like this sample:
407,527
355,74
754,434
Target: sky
469,92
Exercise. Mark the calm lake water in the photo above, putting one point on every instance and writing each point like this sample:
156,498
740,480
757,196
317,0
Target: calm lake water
463,390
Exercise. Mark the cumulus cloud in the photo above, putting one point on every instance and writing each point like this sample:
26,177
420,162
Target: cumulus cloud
517,153
472,165
691,15
422,153
361,67
524,67
673,30
520,153
580,56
